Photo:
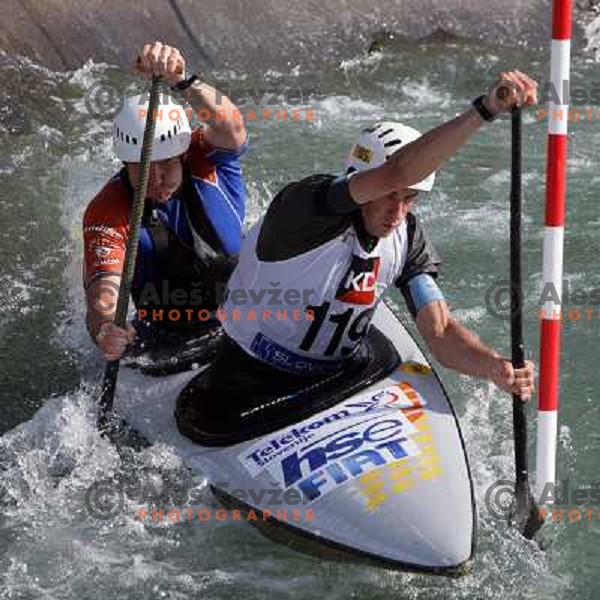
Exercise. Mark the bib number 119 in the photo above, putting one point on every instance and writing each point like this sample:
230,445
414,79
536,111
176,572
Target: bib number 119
356,327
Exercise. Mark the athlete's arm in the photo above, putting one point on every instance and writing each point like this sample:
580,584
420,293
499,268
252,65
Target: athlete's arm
224,127
417,160
459,349
101,300
224,123
104,238
451,343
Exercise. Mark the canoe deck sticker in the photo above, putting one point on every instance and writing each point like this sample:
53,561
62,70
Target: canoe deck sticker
383,484
346,442
415,368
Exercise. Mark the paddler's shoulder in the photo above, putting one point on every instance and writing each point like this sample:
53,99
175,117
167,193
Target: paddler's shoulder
312,189
196,156
301,218
309,185
111,205
203,159
320,196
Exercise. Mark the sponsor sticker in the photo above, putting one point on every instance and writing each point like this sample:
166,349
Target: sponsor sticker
322,453
360,281
107,261
102,230
362,153
102,251
415,368
384,484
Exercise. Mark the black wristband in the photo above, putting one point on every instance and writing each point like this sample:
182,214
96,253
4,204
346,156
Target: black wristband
185,84
481,108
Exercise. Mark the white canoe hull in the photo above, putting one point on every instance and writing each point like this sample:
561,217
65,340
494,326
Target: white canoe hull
383,474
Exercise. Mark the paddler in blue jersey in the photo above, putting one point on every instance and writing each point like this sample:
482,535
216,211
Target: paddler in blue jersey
313,270
192,226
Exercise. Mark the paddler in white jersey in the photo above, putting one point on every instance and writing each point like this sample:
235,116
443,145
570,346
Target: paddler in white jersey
313,270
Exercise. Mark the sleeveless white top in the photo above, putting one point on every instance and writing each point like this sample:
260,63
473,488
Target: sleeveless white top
269,305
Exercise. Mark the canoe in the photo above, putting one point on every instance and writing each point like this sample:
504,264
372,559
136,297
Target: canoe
374,467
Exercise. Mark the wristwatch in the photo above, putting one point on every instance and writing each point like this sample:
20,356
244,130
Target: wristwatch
482,109
185,84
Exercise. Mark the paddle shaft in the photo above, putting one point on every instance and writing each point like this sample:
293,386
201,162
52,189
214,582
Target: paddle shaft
527,514
109,383
516,322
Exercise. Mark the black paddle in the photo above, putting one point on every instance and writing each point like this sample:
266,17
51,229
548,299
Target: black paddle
527,518
105,402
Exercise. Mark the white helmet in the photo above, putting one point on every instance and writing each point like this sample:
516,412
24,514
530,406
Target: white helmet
171,137
376,144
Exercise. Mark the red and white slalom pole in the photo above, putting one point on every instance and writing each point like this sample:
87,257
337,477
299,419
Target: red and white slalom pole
556,187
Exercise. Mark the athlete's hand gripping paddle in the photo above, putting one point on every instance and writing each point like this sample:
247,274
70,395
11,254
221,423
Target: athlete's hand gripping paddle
527,517
105,402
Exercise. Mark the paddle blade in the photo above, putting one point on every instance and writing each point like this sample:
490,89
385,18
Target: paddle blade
527,516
